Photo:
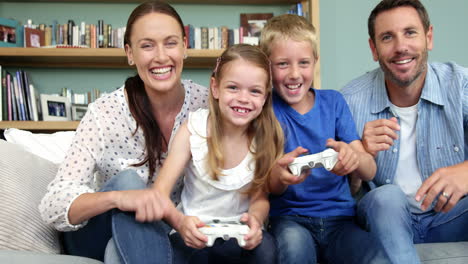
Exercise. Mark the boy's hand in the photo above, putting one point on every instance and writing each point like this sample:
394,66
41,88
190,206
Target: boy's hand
379,134
348,160
255,235
188,229
281,168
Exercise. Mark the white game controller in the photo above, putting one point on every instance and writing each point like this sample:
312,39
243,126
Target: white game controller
327,159
225,230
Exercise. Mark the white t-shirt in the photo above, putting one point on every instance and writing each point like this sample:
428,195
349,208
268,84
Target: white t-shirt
224,199
407,175
104,146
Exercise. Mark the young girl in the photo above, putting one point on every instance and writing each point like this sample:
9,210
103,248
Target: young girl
230,149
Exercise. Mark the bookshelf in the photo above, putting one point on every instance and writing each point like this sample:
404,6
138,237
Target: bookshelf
115,58
89,58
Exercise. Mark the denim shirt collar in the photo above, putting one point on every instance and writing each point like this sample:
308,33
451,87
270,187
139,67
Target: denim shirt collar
431,92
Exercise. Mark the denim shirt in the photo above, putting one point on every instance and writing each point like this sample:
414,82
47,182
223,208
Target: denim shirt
441,127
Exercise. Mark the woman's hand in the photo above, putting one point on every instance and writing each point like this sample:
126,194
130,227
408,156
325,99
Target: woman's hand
147,204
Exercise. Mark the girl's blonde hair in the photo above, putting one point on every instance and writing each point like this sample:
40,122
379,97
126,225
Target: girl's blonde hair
264,132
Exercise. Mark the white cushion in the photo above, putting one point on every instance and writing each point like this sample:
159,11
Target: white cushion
23,181
52,147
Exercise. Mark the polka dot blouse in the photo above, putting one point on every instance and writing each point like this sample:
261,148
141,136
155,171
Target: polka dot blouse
102,147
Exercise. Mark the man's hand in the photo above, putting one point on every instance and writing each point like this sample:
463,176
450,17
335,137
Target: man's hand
450,183
379,134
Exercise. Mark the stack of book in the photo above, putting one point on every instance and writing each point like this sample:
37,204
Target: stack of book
98,35
18,98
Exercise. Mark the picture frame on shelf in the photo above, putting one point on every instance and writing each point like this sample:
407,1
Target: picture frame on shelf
55,108
11,33
78,111
33,38
253,24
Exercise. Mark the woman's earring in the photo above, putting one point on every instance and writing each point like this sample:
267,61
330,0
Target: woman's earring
185,56
130,62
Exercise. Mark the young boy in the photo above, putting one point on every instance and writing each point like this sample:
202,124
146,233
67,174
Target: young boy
312,216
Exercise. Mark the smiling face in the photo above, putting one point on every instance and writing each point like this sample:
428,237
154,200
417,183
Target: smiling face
157,49
293,65
241,92
401,46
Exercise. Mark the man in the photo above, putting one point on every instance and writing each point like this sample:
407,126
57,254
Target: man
414,120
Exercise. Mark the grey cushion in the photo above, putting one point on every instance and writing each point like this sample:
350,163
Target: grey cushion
443,253
24,178
20,257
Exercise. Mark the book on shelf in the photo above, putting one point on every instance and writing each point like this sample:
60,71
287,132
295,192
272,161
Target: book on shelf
2,96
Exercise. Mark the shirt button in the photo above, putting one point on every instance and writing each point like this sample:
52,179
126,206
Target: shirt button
395,150
456,149
387,181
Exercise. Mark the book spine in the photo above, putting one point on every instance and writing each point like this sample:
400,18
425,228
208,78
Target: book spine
83,33
34,100
204,38
197,38
191,37
100,33
54,32
224,37
2,94
14,98
21,97
71,25
88,36
29,98
110,36
9,96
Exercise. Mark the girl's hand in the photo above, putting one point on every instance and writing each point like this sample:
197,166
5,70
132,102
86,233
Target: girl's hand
188,229
254,237
147,204
348,160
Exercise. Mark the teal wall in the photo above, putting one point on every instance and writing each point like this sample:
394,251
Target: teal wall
345,52
52,80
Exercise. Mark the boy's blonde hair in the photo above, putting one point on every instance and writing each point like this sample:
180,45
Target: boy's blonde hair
288,26
264,131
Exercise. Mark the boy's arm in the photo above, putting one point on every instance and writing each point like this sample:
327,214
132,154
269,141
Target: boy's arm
353,160
367,167
172,169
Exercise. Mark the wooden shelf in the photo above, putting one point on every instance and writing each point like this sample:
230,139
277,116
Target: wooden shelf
217,2
40,125
89,58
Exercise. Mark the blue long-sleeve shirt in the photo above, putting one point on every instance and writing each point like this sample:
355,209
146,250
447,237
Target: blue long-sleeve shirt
441,127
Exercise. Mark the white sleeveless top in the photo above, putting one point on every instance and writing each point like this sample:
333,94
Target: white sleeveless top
224,199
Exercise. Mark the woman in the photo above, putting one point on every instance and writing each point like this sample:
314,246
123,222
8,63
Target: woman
121,143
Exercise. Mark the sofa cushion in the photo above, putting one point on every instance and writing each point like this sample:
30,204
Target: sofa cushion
443,253
24,178
51,147
21,257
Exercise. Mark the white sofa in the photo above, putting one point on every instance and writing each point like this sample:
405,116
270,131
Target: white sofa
24,238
